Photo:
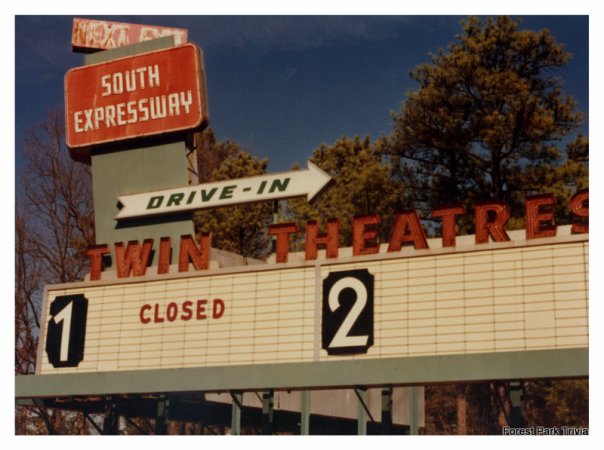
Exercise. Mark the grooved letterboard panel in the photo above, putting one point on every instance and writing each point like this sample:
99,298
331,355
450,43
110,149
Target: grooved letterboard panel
513,299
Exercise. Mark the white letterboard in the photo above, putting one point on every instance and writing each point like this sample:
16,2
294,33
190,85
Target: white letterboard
513,298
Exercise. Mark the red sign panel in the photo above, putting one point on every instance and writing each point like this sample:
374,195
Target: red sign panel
103,35
143,95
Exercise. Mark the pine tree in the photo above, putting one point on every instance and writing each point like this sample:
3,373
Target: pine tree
237,229
361,185
488,113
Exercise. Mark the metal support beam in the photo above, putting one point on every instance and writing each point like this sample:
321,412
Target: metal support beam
305,413
135,425
516,397
237,398
268,399
447,369
192,173
275,221
111,419
387,410
92,422
414,410
363,410
161,419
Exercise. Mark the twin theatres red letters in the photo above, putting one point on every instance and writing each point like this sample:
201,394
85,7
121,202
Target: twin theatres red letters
490,220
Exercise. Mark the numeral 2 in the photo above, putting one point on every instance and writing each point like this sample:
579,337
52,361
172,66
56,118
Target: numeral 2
347,325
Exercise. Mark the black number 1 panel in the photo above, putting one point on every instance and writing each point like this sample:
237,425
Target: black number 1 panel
66,330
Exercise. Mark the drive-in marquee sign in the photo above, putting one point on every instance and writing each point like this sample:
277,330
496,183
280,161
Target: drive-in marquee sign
137,96
512,298
518,291
412,296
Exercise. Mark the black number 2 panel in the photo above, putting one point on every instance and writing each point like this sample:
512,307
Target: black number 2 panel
67,330
347,326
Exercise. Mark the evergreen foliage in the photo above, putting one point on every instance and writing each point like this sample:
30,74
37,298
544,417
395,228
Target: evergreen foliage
237,229
487,119
361,186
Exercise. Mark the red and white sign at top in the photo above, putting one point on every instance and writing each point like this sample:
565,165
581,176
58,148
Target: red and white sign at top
89,35
143,95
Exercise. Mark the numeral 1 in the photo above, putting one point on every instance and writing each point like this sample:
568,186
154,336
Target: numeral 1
65,317
66,330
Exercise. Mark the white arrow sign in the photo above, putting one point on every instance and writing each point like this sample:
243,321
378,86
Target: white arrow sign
295,183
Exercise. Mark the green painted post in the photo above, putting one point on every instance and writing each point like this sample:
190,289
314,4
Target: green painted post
305,413
151,168
362,414
413,410
237,398
516,394
161,419
267,412
110,421
129,50
387,410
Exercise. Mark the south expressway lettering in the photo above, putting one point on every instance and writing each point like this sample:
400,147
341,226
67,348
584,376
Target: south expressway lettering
133,111
128,113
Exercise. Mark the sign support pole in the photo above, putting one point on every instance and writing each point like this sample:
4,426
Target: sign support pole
516,393
89,420
267,412
387,410
413,410
161,420
237,398
362,410
305,413
110,422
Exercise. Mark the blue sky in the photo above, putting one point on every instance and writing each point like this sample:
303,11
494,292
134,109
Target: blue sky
282,85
